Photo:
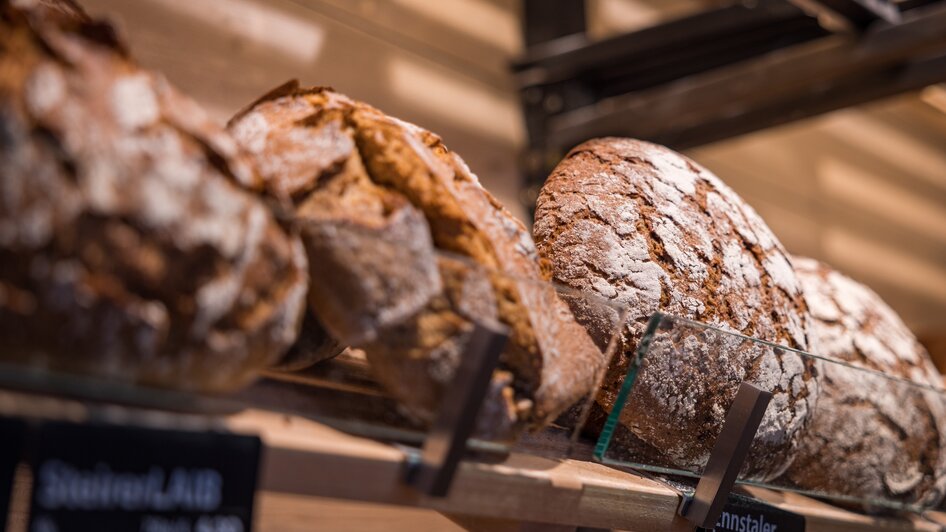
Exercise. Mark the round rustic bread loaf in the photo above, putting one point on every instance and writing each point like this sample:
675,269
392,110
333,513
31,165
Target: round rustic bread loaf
339,163
125,248
418,358
870,436
370,248
647,228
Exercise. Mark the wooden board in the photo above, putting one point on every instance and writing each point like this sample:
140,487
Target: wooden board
307,458
306,464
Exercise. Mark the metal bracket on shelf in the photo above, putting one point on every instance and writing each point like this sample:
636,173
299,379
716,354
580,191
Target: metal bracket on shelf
726,459
432,471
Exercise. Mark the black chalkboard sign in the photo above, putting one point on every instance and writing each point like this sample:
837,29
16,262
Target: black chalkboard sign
742,514
103,478
12,434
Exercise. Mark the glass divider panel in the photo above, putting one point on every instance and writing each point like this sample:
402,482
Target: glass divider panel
849,434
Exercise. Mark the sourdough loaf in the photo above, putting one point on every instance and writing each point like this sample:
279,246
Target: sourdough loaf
870,437
305,139
417,359
648,229
125,248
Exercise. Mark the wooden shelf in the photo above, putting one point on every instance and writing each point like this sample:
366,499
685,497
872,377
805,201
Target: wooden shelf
307,458
304,460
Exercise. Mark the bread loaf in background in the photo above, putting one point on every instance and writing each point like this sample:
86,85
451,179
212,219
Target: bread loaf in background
310,141
126,249
649,229
870,436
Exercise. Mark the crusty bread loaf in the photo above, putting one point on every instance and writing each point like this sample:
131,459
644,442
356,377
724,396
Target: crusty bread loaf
418,358
371,252
371,249
870,437
551,355
305,137
125,249
647,228
380,286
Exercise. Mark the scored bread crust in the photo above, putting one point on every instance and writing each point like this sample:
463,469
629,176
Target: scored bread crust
379,284
649,229
125,248
370,248
870,437
417,359
552,357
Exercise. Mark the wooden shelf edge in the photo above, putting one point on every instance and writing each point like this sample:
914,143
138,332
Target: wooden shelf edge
304,457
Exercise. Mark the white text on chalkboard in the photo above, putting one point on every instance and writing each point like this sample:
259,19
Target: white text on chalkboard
744,523
62,486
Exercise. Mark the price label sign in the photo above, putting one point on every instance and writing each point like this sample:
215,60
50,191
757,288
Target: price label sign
742,514
97,477
12,434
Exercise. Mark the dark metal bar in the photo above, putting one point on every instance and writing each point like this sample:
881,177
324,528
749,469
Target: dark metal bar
724,72
818,100
546,20
446,441
728,454
906,5
566,59
852,14
728,94
570,72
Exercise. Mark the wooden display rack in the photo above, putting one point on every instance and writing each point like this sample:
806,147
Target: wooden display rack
307,458
305,464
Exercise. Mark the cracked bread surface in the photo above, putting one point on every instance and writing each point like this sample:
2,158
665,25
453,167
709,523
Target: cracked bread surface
126,250
553,360
370,249
870,436
649,229
418,358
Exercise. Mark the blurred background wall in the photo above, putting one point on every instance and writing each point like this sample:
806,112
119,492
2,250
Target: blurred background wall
863,189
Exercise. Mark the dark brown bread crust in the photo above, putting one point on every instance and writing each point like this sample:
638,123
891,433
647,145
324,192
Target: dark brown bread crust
647,228
551,356
370,249
125,249
418,358
870,437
